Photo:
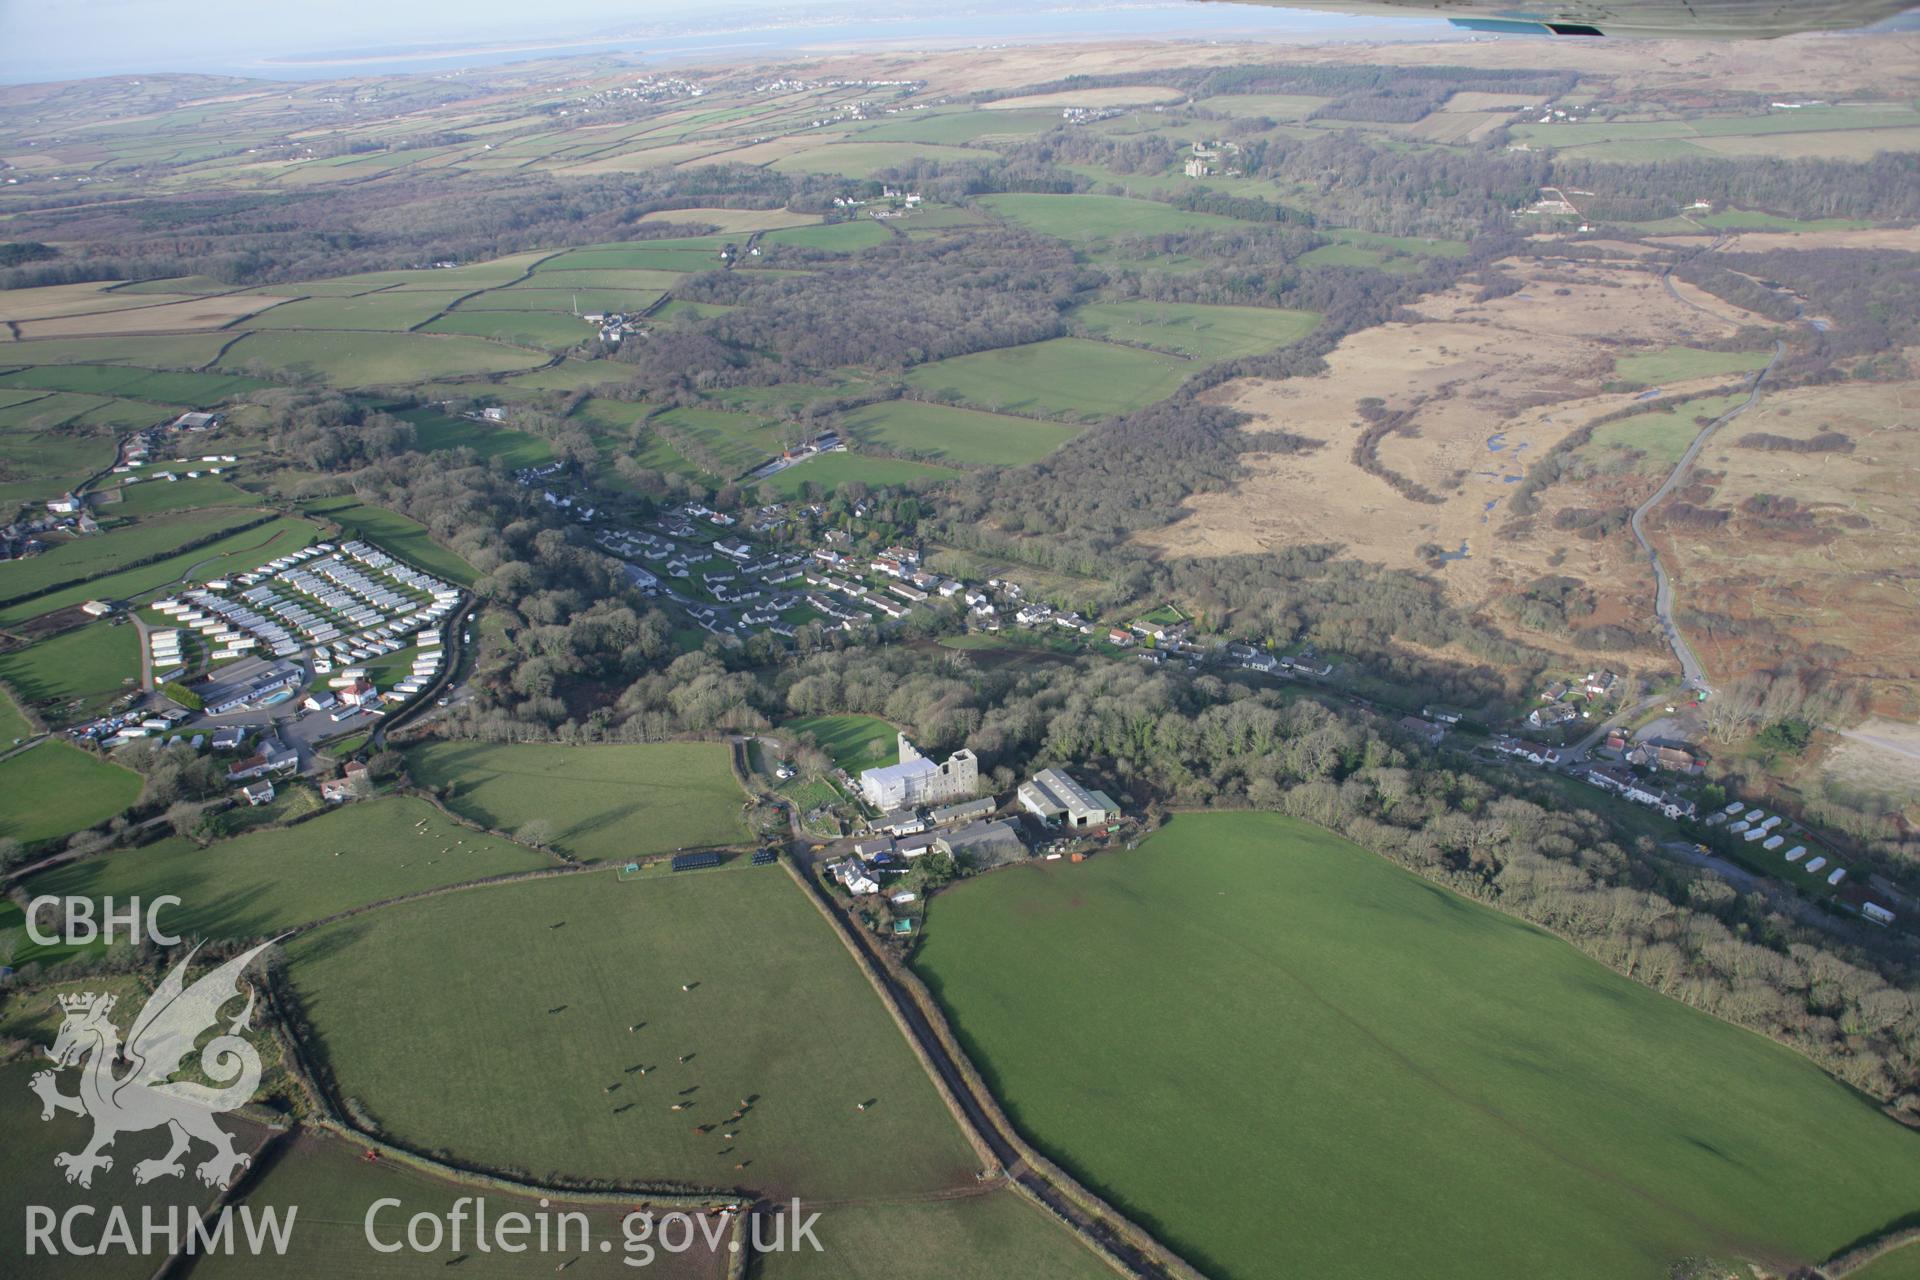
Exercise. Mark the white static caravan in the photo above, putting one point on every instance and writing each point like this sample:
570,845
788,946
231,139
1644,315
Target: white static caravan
1814,865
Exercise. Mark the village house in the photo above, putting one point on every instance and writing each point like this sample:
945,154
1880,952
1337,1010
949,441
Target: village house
1425,730
258,793
1531,752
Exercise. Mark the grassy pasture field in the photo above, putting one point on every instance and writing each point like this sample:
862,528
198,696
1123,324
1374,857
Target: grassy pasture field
591,301
27,1148
174,388
980,1237
546,1040
1427,1086
435,430
333,1189
89,664
391,309
104,553
162,351
546,330
56,789
684,253
739,441
615,801
831,470
838,237
14,724
234,553
1752,220
1677,364
276,878
1805,120
1205,332
152,497
349,359
1660,437
959,128
854,742
1275,106
40,457
864,159
122,415
1081,219
1901,1264
1069,376
398,534
947,434
626,281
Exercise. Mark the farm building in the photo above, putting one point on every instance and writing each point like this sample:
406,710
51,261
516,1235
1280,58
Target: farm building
1052,796
965,811
983,844
916,780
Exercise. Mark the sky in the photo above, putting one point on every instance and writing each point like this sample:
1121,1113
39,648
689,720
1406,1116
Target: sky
65,39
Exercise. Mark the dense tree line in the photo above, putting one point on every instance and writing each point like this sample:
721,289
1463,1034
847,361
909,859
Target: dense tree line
902,302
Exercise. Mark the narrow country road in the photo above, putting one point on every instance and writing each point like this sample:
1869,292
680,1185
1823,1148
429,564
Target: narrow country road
1690,669
1691,672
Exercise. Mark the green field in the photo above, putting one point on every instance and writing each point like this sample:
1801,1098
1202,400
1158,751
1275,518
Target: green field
962,127
982,1237
435,430
91,665
1085,218
393,309
349,359
547,330
1069,376
14,724
96,555
170,351
179,389
615,801
1676,364
1275,106
232,554
831,470
397,534
947,434
1806,120
1901,1264
333,1188
1205,332
738,441
55,789
270,880
839,237
854,742
1751,220
1661,437
587,301
1352,1072
864,159
27,1148
779,1014
151,498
